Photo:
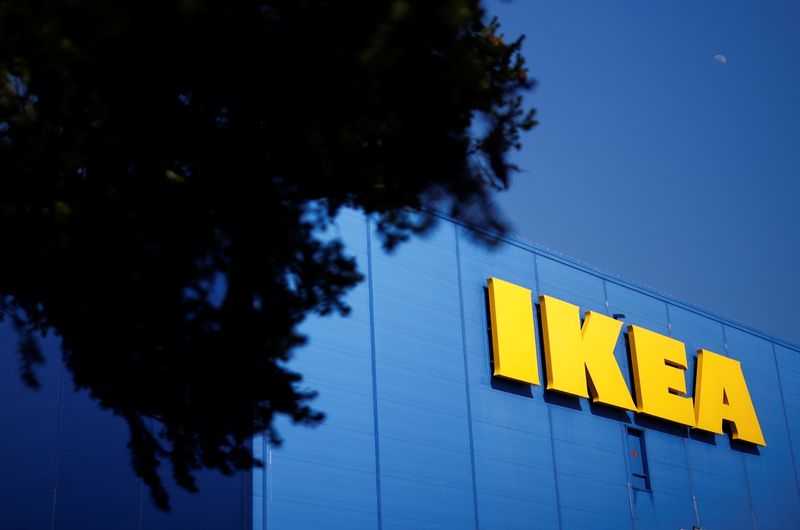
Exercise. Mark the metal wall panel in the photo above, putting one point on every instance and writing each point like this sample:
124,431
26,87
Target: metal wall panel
420,435
788,364
590,458
325,477
94,468
515,483
66,464
772,483
29,424
669,501
717,473
426,469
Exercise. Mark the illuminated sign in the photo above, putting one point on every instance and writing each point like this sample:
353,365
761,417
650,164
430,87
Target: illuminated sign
579,361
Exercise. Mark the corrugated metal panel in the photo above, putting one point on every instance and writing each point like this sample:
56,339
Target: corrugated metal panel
461,449
326,477
420,435
29,423
66,464
426,475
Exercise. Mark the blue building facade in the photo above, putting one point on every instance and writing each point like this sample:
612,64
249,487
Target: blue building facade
65,464
418,433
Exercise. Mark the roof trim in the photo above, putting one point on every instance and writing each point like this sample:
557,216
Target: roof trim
617,279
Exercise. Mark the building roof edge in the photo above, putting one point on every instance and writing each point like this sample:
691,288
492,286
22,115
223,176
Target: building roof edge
616,278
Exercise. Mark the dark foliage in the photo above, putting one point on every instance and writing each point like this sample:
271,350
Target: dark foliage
164,168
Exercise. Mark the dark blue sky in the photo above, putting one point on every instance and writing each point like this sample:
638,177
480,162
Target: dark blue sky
657,162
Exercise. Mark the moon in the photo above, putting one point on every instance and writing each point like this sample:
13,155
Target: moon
721,59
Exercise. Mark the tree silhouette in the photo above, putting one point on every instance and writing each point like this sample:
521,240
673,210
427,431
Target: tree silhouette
165,168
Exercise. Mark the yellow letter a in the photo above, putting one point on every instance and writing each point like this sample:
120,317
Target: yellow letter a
572,352
721,394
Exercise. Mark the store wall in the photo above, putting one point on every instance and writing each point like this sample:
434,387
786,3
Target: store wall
65,465
419,435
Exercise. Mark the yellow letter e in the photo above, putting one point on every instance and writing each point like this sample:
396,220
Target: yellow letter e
659,366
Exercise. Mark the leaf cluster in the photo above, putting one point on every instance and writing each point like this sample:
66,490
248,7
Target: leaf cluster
166,169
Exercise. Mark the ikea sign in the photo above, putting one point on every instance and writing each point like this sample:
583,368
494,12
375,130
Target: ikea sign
579,361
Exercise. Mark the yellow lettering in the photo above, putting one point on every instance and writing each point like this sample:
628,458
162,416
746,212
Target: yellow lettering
513,338
721,394
579,360
572,352
659,365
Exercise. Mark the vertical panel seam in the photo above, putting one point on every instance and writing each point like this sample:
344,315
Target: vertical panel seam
258,476
140,515
549,417
375,428
686,449
466,378
244,477
265,489
744,460
627,451
57,462
749,494
786,420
